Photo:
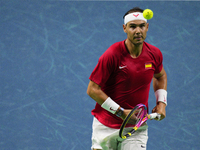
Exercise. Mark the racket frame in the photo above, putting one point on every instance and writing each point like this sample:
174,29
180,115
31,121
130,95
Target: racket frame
144,117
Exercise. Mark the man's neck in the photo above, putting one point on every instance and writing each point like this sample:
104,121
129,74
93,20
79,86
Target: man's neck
134,50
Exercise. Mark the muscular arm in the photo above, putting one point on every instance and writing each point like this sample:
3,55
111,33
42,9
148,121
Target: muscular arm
160,82
95,92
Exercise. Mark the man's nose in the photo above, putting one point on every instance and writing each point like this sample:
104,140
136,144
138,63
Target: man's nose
138,30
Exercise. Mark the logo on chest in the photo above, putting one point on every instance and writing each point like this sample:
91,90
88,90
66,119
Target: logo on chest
121,67
148,65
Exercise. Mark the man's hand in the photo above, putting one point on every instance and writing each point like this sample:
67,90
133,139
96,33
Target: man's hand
133,118
160,108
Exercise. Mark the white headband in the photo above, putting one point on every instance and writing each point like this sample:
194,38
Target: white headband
134,16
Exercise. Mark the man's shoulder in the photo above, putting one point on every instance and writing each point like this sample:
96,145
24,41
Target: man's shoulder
117,45
153,51
115,49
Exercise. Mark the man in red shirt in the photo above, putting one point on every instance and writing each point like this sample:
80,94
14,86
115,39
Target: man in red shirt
121,80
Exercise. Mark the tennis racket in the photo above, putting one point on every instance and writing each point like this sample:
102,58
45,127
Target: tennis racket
137,117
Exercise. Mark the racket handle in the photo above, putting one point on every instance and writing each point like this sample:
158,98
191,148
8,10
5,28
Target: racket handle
154,115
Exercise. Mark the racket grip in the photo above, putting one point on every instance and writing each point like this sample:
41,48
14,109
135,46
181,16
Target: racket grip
154,115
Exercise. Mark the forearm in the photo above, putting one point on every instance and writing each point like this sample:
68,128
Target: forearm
160,87
160,82
95,92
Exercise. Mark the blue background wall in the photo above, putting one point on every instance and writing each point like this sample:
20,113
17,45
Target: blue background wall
48,50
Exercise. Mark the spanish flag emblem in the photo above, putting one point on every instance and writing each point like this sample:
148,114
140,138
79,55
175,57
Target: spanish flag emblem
148,65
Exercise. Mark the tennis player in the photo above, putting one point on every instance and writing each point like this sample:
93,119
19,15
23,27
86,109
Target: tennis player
121,80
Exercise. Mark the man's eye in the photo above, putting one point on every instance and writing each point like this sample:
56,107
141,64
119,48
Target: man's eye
141,26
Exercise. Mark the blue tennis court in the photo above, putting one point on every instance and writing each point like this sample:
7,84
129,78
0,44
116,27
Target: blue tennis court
48,50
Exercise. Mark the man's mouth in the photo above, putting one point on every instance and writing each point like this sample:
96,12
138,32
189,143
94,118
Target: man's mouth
138,38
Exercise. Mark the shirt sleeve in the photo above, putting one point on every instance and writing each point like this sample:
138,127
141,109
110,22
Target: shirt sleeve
103,69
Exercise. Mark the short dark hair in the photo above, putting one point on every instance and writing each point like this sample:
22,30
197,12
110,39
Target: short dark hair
135,9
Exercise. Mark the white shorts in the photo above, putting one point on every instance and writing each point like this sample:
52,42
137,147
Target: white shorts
106,138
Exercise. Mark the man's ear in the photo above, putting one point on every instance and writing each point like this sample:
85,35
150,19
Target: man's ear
147,26
124,28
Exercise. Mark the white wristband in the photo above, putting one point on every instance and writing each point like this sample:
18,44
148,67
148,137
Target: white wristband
161,96
110,105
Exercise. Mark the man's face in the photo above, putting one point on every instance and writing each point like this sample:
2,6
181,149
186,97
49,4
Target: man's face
136,31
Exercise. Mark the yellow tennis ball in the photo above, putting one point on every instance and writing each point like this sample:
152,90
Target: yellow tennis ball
148,14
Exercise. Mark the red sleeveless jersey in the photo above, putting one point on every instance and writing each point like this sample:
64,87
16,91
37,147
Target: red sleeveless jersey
125,79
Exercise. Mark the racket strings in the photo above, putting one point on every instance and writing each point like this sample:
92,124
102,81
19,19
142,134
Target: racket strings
135,118
139,115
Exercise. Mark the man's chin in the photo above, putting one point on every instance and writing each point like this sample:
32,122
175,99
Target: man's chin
138,43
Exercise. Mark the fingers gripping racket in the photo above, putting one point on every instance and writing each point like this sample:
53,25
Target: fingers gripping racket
137,117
